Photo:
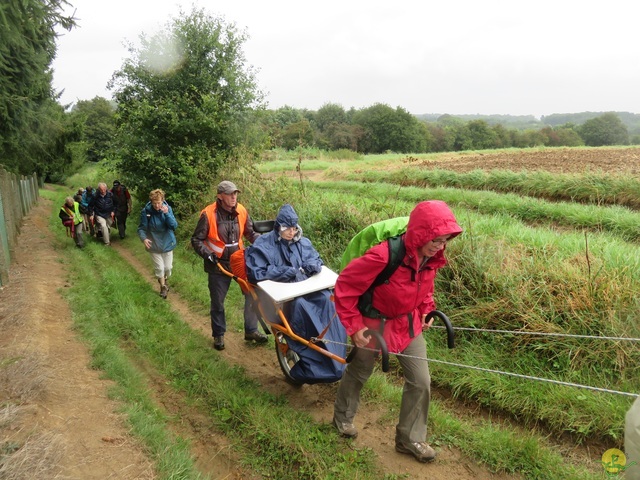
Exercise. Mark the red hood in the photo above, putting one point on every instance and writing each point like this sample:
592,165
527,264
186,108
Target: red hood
429,220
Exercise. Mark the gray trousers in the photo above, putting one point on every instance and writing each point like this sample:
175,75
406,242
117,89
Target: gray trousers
218,288
105,225
416,393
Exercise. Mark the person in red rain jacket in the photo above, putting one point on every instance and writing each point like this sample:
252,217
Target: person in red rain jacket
404,301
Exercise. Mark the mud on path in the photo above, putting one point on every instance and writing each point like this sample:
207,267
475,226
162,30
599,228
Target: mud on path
73,426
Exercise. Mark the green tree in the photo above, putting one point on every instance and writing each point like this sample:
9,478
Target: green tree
27,48
184,99
328,114
298,134
482,136
387,129
342,135
97,118
606,129
562,136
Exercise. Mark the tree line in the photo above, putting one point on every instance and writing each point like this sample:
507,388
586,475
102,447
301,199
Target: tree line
34,132
173,124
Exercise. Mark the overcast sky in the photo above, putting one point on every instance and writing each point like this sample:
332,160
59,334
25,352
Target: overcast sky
451,56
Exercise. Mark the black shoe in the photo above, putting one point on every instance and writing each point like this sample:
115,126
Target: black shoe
256,336
218,343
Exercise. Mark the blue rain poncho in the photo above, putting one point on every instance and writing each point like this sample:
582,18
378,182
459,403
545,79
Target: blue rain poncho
273,258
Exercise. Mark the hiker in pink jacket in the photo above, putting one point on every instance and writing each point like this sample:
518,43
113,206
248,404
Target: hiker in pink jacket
404,302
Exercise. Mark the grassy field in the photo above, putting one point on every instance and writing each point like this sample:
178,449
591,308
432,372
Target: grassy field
525,262
529,260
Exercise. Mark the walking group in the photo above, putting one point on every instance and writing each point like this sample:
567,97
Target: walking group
403,301
96,212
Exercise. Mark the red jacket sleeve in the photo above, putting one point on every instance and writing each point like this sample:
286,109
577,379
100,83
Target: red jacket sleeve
353,281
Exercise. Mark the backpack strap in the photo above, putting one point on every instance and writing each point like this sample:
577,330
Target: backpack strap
397,252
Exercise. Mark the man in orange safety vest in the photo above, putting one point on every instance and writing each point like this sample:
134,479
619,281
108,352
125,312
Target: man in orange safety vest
219,233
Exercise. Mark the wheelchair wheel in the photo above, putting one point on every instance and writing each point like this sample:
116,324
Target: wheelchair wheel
287,358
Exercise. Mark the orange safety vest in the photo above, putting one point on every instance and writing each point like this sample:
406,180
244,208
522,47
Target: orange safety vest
214,243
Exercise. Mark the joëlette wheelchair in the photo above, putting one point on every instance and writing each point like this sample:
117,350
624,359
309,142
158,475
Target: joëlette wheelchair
270,299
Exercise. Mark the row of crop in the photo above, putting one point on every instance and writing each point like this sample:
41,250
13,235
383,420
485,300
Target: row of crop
619,221
591,187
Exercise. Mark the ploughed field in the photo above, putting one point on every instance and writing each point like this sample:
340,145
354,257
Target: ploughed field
612,161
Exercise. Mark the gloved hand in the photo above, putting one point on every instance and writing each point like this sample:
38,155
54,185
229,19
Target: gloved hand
311,268
213,258
291,273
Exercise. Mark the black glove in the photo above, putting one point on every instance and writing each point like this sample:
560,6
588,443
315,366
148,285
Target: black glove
311,268
213,258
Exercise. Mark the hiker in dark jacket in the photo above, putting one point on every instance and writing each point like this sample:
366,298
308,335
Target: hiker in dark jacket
218,234
102,211
156,230
85,200
122,201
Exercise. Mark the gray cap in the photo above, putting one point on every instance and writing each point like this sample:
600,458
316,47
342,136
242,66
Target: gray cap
227,187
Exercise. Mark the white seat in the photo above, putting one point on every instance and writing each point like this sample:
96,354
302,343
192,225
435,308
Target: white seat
281,292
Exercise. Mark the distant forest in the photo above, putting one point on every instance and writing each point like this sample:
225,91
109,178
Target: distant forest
526,122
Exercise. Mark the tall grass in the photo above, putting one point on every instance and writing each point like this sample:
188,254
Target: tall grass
506,274
617,220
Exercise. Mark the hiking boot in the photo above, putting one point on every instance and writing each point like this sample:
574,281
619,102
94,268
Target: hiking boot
218,343
163,291
345,429
420,450
256,336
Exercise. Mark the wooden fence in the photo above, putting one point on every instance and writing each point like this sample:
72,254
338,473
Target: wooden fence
17,195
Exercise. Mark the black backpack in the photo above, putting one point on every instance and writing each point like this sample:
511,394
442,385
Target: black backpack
397,252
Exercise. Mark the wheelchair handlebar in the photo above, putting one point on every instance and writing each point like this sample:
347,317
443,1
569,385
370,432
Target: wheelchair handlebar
447,324
381,344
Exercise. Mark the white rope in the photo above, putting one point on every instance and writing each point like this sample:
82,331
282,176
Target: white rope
545,334
517,375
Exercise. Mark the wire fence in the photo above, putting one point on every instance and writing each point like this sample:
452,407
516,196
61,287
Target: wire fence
543,334
17,195
511,374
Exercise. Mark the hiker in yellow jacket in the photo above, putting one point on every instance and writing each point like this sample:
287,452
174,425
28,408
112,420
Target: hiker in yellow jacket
72,219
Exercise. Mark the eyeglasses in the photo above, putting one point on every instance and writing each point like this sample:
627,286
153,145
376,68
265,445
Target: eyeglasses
440,242
284,229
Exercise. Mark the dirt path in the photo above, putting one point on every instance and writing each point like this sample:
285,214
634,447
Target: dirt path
65,405
62,404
